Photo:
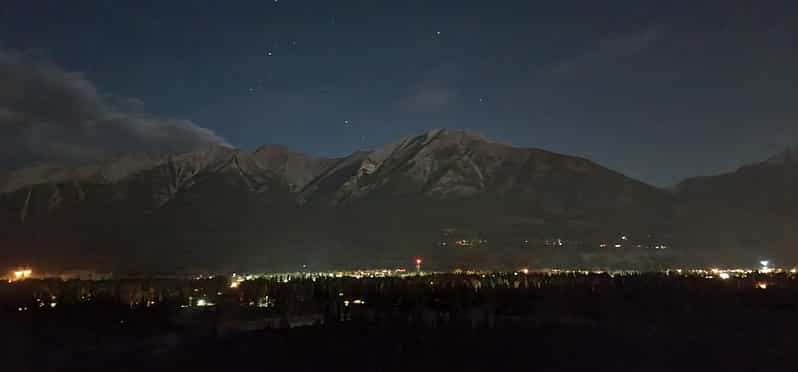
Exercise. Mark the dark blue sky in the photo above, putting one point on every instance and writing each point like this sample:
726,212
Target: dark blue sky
659,90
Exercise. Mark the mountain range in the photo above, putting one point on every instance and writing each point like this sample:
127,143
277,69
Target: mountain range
451,196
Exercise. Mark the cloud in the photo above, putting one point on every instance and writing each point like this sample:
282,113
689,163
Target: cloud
427,95
606,51
48,113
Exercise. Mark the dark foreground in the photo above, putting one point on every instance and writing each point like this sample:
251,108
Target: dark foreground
649,322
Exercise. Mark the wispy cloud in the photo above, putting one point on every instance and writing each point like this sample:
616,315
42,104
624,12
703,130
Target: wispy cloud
427,95
48,113
606,51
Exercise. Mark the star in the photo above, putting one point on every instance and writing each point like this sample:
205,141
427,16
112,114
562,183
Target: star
438,33
269,53
346,122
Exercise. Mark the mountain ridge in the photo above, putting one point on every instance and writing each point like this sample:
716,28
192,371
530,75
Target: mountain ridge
274,207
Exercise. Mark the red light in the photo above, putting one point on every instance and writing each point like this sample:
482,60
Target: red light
418,261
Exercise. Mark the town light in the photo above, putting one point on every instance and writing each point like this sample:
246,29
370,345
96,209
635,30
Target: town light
21,275
418,265
724,276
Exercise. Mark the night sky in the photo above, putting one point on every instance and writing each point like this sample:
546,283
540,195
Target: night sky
659,90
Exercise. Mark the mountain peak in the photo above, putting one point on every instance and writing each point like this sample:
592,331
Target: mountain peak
462,134
297,168
271,148
787,156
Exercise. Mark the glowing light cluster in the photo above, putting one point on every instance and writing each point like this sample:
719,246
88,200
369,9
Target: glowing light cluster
203,303
20,275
